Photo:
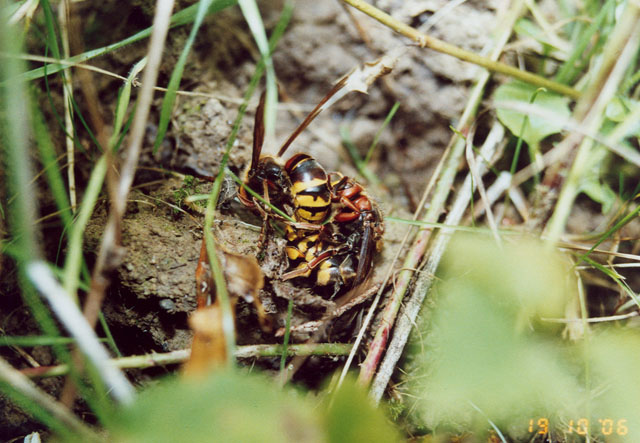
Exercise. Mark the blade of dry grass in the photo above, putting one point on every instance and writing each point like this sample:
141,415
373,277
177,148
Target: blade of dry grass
426,276
477,182
67,92
252,16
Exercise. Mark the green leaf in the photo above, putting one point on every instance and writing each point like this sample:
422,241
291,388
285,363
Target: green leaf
353,417
616,365
591,182
535,128
485,347
526,28
619,108
229,407
600,193
242,407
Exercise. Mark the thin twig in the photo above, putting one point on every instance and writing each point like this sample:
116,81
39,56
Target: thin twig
294,107
25,10
501,185
592,319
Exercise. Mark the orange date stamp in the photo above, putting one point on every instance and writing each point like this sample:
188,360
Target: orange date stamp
582,426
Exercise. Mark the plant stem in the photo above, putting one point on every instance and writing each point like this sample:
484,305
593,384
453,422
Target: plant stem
427,41
182,355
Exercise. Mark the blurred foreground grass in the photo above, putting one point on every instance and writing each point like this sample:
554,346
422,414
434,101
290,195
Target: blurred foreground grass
241,407
487,355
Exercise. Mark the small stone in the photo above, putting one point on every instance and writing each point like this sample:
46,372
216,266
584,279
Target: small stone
167,304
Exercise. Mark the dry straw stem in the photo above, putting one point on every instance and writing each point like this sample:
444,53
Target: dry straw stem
29,390
445,175
110,254
477,182
425,279
67,90
491,64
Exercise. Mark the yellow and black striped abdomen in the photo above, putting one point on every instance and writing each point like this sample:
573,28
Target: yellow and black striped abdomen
299,244
339,271
310,188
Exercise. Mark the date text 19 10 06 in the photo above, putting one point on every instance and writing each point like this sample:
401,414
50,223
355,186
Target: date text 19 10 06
582,426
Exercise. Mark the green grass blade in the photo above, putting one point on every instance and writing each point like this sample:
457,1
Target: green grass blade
19,171
626,219
613,275
259,197
22,212
77,112
73,261
38,412
123,102
48,157
285,340
576,62
108,336
385,123
50,23
218,276
355,156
